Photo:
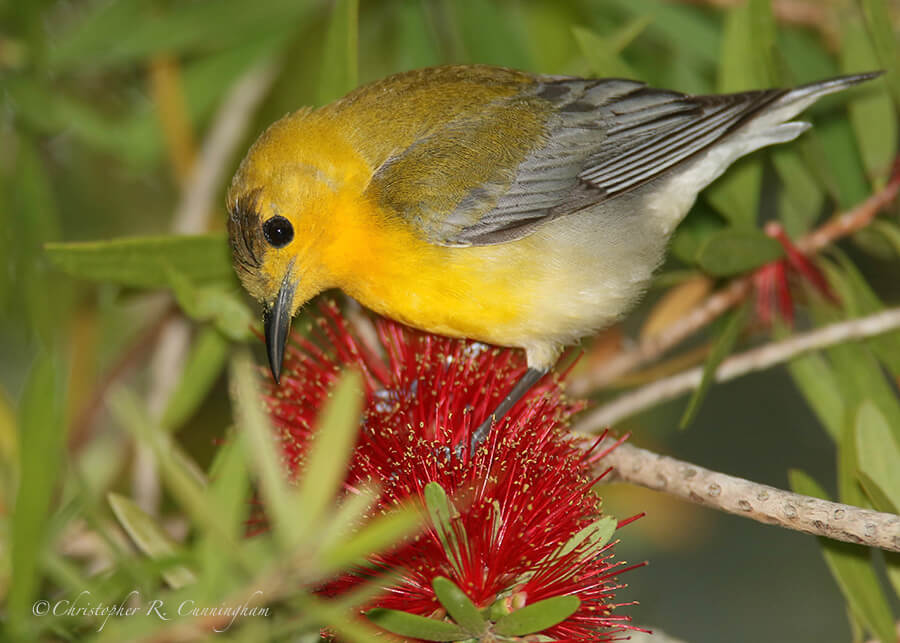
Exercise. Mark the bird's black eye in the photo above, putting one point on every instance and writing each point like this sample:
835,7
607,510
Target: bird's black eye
278,231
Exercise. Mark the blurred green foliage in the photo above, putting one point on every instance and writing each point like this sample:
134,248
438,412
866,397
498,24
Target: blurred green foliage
96,98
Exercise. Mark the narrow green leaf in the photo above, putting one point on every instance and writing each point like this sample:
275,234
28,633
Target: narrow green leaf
890,231
416,46
878,454
850,490
150,538
201,370
229,492
339,72
441,512
852,569
805,55
32,220
592,538
813,375
873,116
382,533
488,35
537,617
266,462
701,223
603,52
329,453
722,346
180,473
145,261
736,195
349,514
680,27
841,155
762,31
744,65
733,251
459,606
220,304
859,299
881,502
881,27
96,40
800,198
405,624
41,439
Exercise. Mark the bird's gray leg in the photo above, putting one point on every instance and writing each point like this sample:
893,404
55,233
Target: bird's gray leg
531,376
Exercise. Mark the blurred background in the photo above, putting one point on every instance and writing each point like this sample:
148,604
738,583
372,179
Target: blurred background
126,118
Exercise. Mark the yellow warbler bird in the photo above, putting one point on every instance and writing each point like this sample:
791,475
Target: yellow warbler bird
483,202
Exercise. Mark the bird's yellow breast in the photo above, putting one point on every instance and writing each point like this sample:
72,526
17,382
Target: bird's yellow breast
465,292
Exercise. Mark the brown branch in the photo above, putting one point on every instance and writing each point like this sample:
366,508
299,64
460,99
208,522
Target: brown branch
735,292
749,361
752,500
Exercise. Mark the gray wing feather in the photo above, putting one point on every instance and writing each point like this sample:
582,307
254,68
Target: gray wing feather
607,137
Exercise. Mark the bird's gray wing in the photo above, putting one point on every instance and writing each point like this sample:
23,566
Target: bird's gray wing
600,139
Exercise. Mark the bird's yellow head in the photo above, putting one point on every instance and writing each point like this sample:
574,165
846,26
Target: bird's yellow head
282,203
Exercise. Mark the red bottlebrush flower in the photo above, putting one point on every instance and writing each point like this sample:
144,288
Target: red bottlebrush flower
520,499
771,280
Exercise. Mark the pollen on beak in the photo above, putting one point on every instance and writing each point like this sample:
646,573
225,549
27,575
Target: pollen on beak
277,323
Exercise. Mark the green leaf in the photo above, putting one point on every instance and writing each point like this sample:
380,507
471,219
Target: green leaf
855,364
32,219
416,46
220,304
229,492
840,154
591,539
339,72
537,617
459,606
681,28
330,450
603,53
746,63
800,198
441,512
762,49
881,28
733,251
259,437
813,375
872,114
850,490
859,299
185,481
405,624
150,538
878,454
722,346
41,440
890,231
381,533
488,35
852,569
145,262
190,27
736,195
693,233
202,368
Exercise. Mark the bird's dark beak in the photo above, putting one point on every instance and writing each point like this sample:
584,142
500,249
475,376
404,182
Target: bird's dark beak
277,322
